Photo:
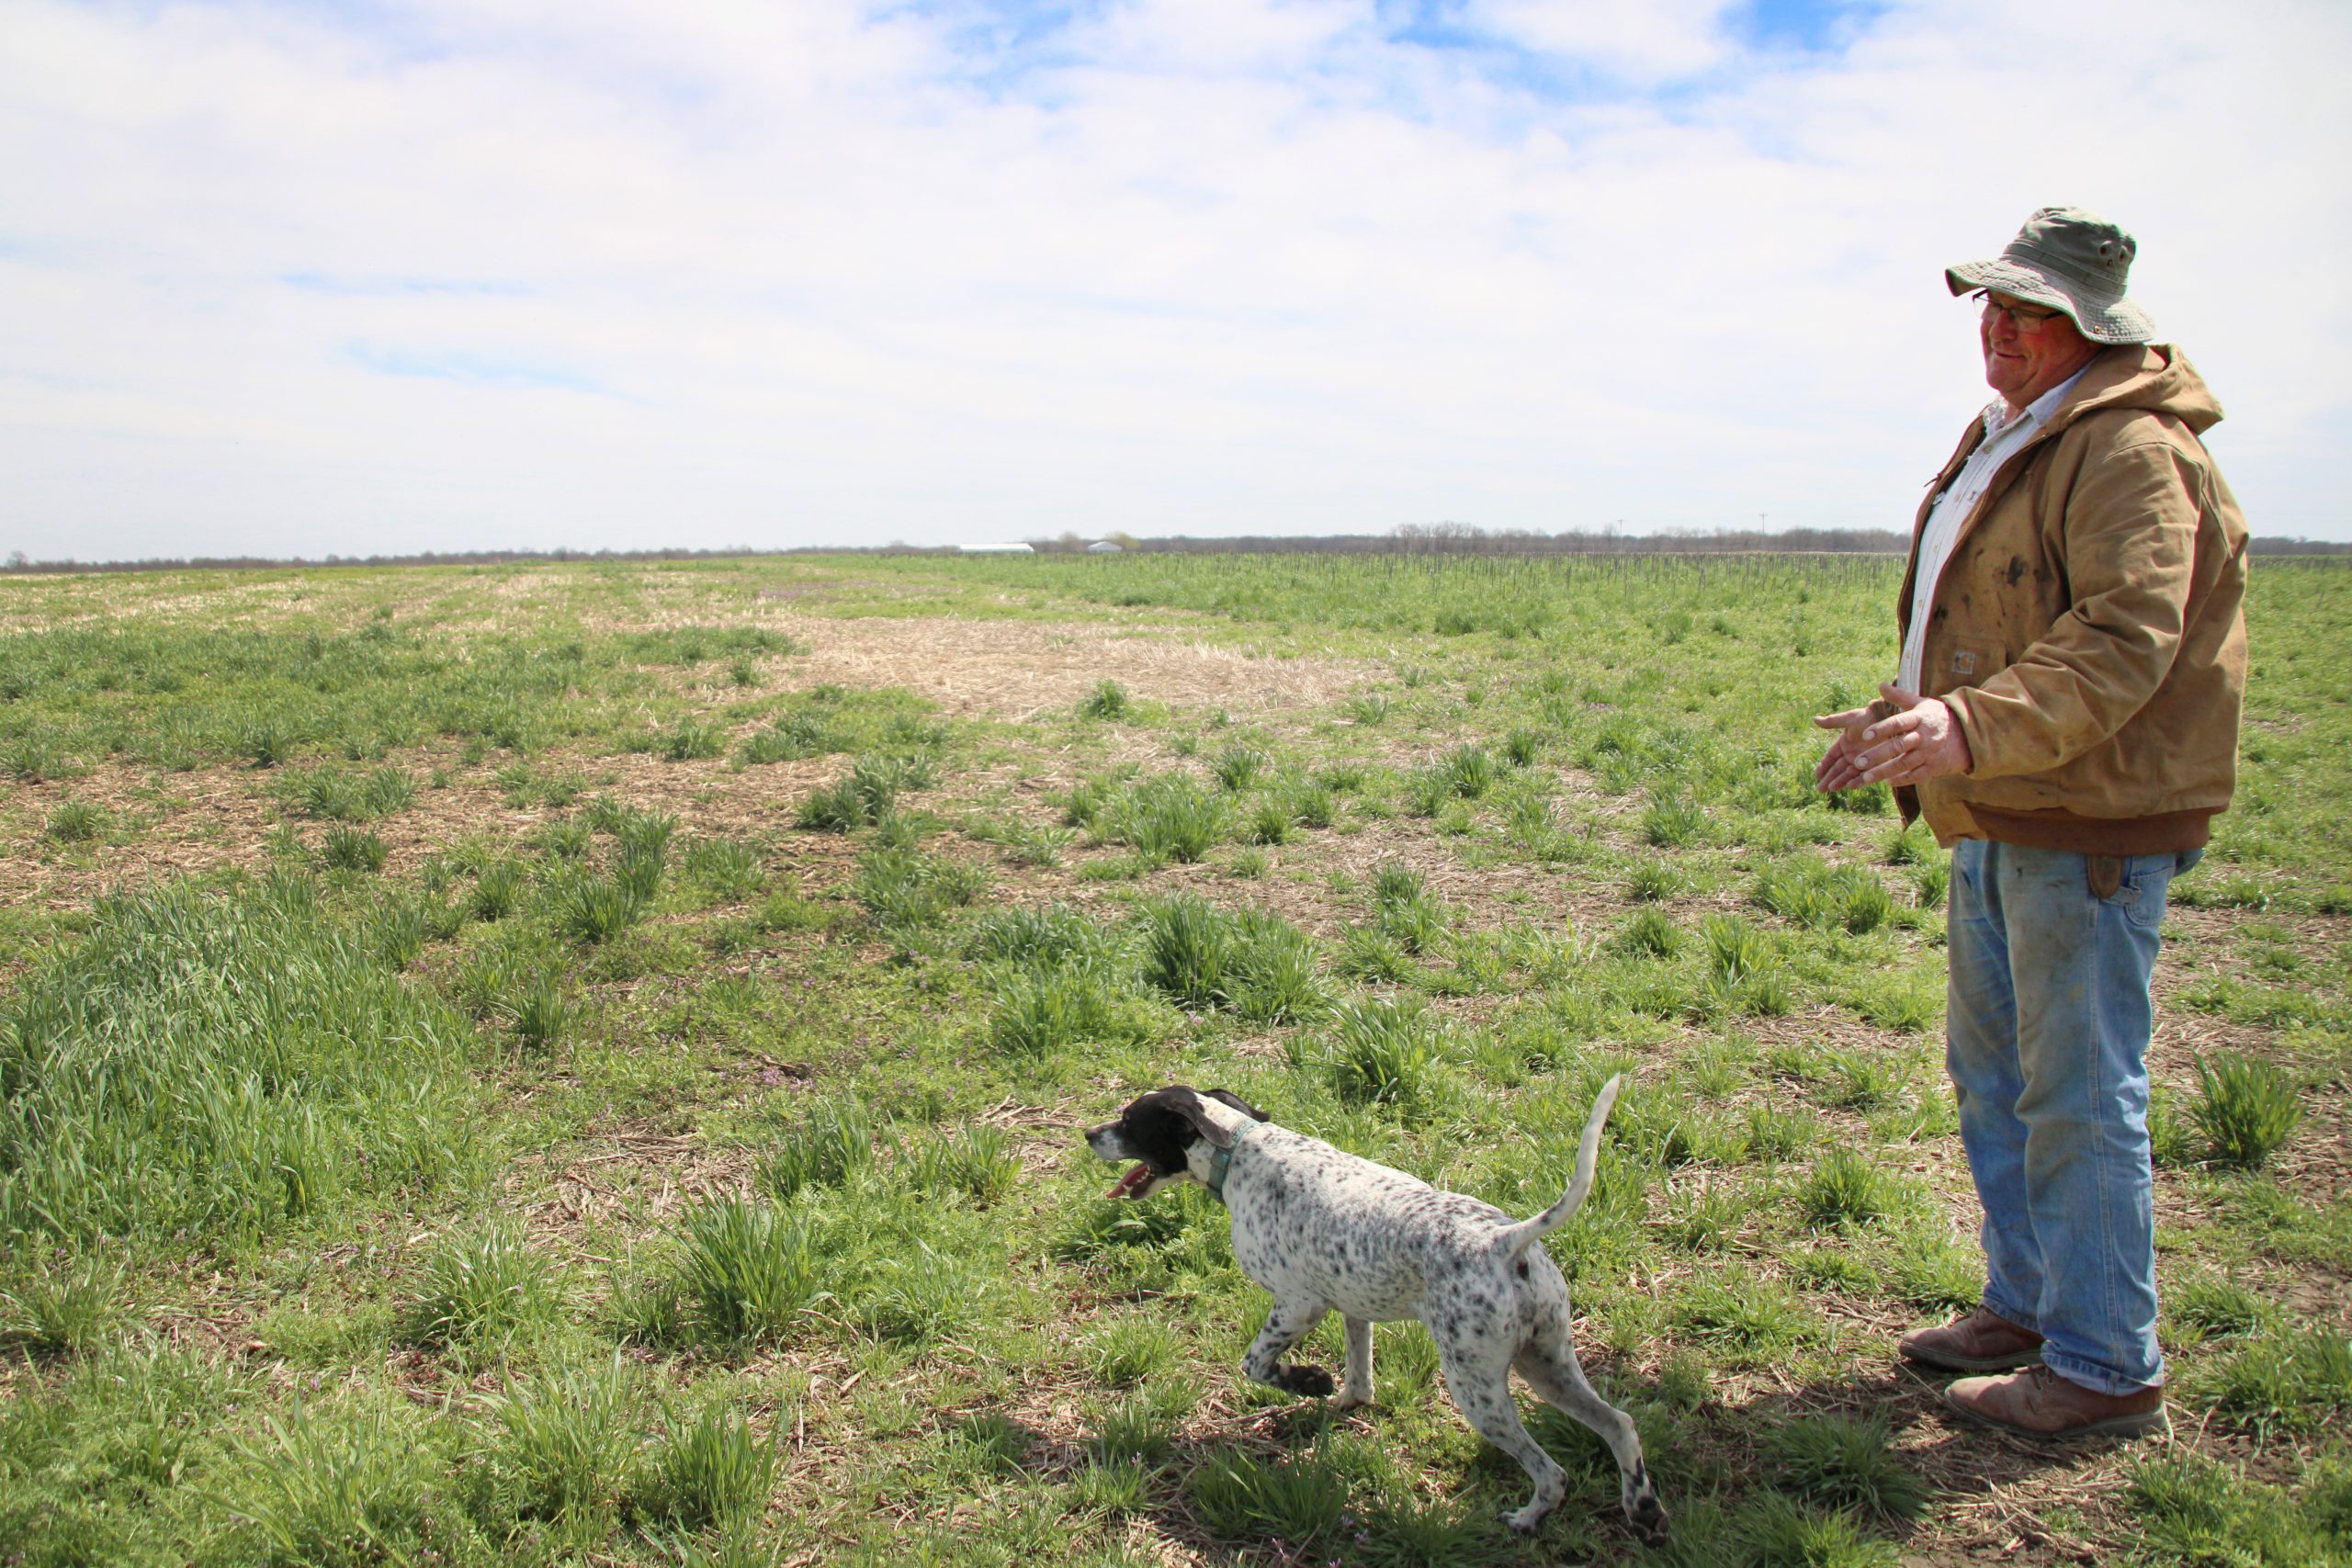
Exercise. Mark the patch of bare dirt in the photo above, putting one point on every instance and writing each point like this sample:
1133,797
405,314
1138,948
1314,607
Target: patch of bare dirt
1019,669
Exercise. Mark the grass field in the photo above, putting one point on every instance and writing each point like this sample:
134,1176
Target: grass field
583,1063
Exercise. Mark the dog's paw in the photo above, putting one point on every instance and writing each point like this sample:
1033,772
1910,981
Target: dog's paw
1352,1401
1642,1510
1522,1521
1312,1382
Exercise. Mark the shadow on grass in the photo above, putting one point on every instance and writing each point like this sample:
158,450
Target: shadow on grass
1845,1473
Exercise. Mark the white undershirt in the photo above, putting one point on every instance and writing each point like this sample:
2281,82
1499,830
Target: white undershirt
2003,436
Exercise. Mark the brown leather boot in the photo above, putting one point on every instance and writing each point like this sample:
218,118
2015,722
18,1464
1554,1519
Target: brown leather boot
2041,1404
1977,1342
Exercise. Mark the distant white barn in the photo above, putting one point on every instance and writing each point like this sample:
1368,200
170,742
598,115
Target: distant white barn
995,550
1106,547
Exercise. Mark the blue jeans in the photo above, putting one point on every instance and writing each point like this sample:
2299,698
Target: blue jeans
2047,1041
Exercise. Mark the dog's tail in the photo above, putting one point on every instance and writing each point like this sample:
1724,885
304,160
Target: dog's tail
1510,1241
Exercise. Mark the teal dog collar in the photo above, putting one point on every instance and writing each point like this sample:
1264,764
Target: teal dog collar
1222,1161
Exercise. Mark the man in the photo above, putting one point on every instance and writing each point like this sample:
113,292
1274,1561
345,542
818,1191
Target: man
2065,716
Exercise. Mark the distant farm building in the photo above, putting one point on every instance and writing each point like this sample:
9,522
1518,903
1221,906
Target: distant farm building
995,550
1106,547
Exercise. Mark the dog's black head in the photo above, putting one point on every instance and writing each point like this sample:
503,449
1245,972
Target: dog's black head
1158,1130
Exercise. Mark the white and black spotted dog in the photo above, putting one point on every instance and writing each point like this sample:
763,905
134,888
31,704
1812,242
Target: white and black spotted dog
1324,1230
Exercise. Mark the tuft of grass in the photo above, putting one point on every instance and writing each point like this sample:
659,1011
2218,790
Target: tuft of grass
1272,973
1904,1002
1172,817
1843,1462
1188,943
1862,1080
1107,699
1470,771
353,849
2285,1379
541,1015
1242,1497
2204,1305
1673,821
1383,1052
1748,1316
1126,1350
1650,933
745,1270
832,1143
1038,1012
485,1285
74,822
1270,822
1311,803
266,743
71,1308
974,1162
1932,1273
1847,1189
725,870
1368,953
905,888
595,910
1238,767
1736,952
2197,1512
1776,1531
1041,934
712,1469
348,1490
693,741
865,795
562,1445
1655,881
2247,1109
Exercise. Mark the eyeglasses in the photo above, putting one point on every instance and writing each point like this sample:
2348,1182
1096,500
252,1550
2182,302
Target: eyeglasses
2023,318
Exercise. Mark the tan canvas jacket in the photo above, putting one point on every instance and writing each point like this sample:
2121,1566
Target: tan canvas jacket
2088,630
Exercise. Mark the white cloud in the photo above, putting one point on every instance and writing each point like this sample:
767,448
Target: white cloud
743,273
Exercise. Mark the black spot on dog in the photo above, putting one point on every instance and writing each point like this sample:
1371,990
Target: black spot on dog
1522,1269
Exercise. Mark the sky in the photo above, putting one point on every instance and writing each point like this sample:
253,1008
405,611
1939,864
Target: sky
373,276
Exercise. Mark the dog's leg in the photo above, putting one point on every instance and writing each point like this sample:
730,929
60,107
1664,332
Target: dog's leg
1558,1378
1289,1323
1355,1387
1479,1379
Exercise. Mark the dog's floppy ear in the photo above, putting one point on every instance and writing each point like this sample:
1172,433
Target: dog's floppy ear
1186,1103
1239,1104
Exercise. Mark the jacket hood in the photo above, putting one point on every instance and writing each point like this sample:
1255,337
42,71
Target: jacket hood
2153,376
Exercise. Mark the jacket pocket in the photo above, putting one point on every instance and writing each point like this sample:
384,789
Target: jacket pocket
1964,661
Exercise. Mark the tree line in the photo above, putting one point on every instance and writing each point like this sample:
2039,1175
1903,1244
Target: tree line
1411,539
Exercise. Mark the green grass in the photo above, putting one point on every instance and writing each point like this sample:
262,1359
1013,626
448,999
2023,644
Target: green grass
2246,1110
667,1151
206,1064
484,1285
746,1270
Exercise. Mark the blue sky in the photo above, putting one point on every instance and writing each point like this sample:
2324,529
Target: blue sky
281,278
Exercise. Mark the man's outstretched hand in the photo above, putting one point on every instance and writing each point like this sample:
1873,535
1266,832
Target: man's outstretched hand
1899,739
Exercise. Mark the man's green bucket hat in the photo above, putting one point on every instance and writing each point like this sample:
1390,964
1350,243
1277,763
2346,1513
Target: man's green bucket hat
2069,260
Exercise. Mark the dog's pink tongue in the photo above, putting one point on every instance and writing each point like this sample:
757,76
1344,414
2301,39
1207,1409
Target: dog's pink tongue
1132,1184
